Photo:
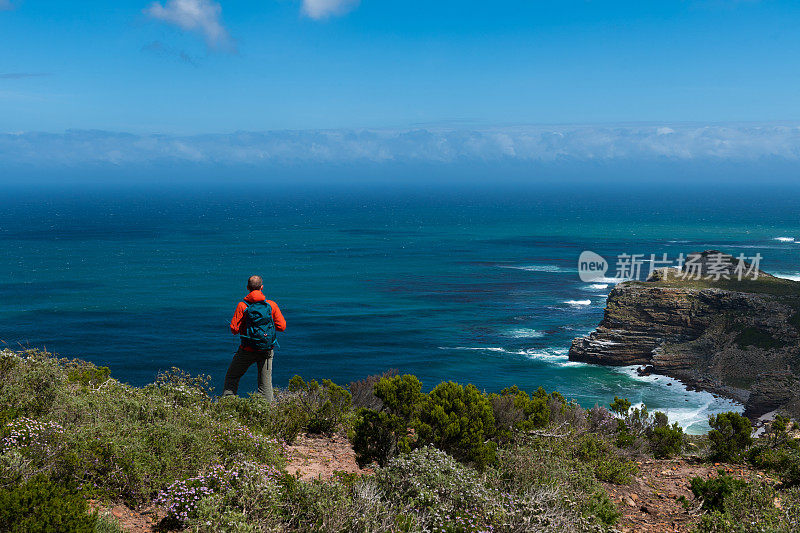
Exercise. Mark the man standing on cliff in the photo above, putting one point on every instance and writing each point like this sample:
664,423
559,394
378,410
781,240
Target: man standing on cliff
256,321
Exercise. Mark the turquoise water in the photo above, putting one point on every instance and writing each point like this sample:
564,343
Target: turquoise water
473,285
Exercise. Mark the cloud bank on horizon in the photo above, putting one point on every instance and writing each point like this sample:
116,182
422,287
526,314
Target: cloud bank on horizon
598,144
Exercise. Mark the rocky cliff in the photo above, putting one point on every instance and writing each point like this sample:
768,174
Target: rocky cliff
736,338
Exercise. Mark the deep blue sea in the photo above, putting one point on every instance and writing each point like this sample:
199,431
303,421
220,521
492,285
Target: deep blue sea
473,285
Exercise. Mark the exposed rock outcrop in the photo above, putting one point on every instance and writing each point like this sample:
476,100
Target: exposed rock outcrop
737,338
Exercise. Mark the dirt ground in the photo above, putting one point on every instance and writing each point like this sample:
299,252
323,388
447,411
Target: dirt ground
315,456
650,502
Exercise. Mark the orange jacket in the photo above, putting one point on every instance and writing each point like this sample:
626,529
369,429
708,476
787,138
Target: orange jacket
256,296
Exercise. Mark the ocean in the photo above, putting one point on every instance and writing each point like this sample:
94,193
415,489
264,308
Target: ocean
475,285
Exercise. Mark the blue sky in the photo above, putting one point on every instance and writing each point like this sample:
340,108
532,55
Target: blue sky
214,66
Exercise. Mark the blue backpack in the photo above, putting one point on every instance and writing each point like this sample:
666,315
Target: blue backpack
257,330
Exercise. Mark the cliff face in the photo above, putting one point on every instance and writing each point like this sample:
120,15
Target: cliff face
739,339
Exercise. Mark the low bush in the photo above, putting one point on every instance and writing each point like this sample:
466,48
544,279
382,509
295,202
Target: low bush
41,506
122,442
730,436
363,391
746,507
564,470
325,406
380,435
666,441
782,458
714,491
458,420
615,470
449,495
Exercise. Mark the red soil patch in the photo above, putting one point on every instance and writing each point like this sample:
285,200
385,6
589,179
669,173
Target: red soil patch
130,520
314,457
650,502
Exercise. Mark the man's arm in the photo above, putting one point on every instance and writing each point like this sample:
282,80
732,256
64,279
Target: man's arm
277,317
236,321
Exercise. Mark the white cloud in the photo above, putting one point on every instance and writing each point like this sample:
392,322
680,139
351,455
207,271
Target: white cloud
202,16
320,9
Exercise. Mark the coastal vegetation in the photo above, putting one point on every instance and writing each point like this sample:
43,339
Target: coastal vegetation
74,441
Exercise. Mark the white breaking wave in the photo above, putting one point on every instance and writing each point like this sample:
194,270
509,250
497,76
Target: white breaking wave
793,277
578,303
524,333
476,348
610,281
784,239
596,287
554,356
535,268
694,418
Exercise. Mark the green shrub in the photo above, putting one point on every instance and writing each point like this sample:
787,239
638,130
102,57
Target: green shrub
363,391
89,375
284,417
592,447
562,470
107,523
175,378
449,494
605,463
601,506
615,470
34,385
39,505
783,458
743,507
666,441
730,436
400,395
260,501
621,406
458,420
514,409
752,336
625,437
633,426
714,491
379,436
325,405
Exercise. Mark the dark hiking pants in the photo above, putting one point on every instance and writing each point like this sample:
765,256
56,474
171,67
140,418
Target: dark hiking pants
242,360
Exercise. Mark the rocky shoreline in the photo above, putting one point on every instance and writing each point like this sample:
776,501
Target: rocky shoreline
738,339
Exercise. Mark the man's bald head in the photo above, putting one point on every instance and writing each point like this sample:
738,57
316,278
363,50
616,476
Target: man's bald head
254,283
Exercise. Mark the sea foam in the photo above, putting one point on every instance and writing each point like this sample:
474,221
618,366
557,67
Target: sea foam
578,303
524,333
535,268
693,418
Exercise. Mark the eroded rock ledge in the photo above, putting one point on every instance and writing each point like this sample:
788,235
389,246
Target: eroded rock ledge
740,339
